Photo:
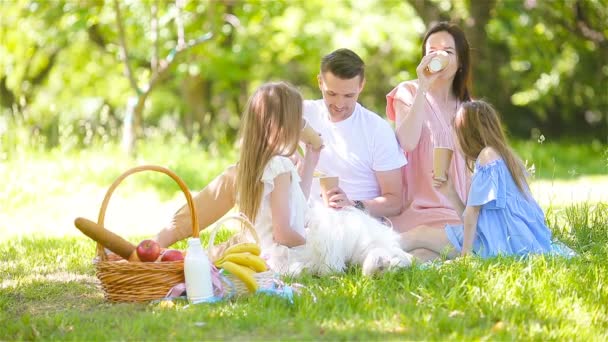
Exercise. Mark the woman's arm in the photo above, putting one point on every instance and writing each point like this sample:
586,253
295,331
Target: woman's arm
456,203
282,232
409,120
448,190
471,215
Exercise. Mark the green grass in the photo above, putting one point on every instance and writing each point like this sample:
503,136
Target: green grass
48,289
563,160
49,292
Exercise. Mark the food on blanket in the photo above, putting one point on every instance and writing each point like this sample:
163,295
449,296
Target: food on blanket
172,255
245,259
148,250
106,238
242,273
243,247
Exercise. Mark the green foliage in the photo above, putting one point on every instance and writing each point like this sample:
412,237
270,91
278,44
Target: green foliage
62,80
555,69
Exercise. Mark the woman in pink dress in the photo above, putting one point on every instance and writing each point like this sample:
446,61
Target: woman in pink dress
423,111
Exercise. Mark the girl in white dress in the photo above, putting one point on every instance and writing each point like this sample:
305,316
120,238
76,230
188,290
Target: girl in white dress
273,195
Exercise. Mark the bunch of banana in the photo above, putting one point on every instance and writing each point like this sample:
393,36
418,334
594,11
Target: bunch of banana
243,261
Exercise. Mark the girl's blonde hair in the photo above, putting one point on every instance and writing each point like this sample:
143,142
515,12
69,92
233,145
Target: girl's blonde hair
477,126
270,126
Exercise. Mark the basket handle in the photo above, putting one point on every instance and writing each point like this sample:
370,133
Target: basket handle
104,205
240,217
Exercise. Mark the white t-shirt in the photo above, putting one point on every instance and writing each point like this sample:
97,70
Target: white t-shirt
354,149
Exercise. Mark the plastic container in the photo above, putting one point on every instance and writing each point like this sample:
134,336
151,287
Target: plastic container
197,272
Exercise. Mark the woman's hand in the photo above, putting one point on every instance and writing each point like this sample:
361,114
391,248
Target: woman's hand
425,77
445,187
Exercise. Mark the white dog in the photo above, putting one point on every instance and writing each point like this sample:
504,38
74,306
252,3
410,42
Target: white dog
337,238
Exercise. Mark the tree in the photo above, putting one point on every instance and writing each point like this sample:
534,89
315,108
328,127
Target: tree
159,68
540,84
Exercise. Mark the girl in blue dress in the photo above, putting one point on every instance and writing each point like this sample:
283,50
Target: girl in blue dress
500,215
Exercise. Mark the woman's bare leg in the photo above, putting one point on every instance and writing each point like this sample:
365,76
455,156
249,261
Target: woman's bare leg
433,239
211,203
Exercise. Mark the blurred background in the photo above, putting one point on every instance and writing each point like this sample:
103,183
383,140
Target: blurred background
64,79
91,88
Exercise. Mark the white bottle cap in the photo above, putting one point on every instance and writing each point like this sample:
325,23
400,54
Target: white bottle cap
194,242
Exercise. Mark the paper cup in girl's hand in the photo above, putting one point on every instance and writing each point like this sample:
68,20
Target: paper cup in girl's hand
442,157
310,136
327,183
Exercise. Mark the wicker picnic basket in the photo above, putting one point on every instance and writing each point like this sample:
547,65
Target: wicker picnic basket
124,281
231,284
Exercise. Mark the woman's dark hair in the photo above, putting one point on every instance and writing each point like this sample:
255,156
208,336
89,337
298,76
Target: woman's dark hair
461,86
344,64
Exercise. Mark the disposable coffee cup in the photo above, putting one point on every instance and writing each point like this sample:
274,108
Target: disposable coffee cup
310,136
327,183
439,61
442,157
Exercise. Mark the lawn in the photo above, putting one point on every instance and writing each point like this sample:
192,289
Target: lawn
48,288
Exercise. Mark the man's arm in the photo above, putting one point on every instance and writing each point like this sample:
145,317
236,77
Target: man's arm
390,202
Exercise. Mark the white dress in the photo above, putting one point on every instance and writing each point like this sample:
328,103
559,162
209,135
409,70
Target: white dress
278,256
334,238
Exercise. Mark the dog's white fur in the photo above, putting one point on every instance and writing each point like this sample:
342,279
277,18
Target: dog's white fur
338,238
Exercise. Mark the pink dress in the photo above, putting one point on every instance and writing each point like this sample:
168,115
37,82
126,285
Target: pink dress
424,205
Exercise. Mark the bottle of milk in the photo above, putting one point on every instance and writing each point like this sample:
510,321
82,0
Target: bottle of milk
197,271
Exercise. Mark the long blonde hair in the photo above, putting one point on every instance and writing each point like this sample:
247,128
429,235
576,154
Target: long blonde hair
270,126
477,126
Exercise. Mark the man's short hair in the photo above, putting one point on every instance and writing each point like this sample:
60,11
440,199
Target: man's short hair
344,64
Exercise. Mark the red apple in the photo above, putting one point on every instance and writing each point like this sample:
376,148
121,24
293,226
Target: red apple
148,250
172,255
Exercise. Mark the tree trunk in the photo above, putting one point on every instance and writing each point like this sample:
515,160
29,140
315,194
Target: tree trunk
128,129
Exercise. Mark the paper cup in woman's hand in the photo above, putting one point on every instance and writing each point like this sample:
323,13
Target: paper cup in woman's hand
442,157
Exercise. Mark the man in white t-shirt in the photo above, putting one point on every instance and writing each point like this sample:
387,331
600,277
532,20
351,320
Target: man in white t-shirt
360,148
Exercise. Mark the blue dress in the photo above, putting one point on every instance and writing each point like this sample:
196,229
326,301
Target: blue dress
509,223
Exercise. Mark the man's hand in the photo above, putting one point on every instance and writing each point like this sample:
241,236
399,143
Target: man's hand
337,199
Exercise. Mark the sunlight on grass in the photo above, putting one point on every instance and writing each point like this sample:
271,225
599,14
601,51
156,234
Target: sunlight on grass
48,279
560,193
